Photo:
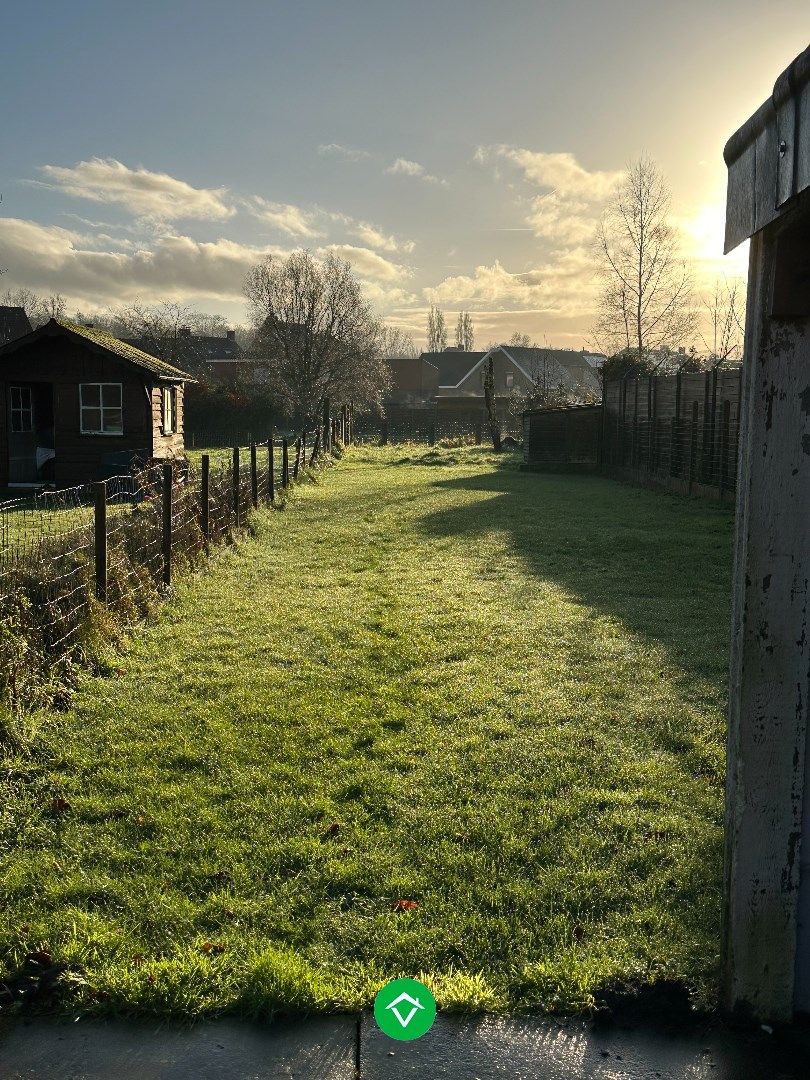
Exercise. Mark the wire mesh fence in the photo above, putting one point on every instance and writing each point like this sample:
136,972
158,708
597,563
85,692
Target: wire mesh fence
76,563
679,431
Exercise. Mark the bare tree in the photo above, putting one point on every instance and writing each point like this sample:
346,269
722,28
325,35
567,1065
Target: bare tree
317,336
465,332
39,309
725,311
396,343
646,299
436,330
522,341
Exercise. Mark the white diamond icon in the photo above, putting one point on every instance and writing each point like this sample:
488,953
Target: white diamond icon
415,1004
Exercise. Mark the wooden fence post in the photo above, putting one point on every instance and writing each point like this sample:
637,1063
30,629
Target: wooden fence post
327,442
100,520
205,500
285,464
315,447
168,491
235,484
724,433
271,470
432,434
674,447
693,433
297,462
254,477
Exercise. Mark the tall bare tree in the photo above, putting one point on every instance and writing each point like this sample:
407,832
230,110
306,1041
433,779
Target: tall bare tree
315,333
465,332
646,299
436,330
725,315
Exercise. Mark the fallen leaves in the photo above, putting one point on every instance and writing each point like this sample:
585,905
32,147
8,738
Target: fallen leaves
406,905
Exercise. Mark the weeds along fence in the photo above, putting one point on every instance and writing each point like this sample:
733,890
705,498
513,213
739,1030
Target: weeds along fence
78,565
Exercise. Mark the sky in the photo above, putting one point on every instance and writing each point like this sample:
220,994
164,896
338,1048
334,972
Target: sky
456,152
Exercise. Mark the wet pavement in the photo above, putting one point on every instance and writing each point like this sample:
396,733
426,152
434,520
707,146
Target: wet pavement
456,1048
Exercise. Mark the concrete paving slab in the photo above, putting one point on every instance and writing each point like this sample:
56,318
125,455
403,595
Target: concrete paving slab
319,1047
489,1048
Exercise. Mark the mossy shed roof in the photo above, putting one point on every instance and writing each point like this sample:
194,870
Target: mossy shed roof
101,339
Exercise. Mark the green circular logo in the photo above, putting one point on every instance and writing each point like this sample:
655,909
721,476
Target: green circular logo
404,1009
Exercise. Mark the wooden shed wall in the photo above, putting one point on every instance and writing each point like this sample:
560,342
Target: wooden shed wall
65,364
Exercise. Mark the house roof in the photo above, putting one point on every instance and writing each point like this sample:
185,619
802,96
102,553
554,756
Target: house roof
453,364
13,324
199,346
529,359
101,339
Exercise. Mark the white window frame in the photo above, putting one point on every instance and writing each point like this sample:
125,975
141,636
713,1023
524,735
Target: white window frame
22,410
168,405
101,407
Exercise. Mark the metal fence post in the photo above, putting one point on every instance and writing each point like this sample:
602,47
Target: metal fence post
205,500
235,485
254,477
168,485
100,520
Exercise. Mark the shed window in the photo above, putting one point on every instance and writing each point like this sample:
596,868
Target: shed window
169,394
22,412
510,380
101,412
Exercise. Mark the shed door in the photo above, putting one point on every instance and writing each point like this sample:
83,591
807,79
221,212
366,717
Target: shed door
22,436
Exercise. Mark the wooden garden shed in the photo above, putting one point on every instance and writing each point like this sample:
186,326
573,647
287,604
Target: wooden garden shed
766,937
80,405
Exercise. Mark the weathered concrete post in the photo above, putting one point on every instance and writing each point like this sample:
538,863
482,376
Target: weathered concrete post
766,934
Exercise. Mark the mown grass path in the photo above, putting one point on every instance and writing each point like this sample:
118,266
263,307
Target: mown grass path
432,678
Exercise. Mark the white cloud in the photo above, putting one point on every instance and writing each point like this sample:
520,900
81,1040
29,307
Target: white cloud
404,167
147,194
568,212
561,287
285,216
372,236
49,259
560,171
336,150
368,264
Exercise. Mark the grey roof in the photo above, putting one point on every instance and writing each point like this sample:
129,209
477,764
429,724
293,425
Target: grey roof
768,158
197,347
101,339
14,323
453,364
531,360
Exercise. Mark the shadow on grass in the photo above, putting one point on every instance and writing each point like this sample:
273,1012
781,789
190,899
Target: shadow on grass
660,563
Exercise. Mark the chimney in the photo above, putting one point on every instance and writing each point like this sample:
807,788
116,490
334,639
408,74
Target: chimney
184,331
230,335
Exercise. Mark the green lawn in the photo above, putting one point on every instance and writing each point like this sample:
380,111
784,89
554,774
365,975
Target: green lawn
432,678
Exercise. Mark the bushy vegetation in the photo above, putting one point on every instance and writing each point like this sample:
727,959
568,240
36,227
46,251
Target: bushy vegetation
440,718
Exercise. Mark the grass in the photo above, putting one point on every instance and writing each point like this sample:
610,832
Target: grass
431,678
